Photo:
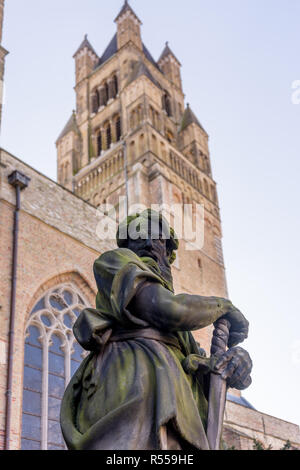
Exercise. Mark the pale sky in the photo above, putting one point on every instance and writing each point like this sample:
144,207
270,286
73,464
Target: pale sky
240,58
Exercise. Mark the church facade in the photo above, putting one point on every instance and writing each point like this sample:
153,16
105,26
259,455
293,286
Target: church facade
130,136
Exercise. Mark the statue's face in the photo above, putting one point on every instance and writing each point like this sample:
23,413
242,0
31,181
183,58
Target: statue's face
151,248
155,247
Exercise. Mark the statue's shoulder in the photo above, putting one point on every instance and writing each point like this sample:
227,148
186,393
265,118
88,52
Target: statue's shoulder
115,259
118,253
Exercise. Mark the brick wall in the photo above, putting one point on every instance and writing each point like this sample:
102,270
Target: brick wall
246,424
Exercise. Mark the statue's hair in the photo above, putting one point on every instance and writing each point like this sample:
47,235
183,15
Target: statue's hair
149,214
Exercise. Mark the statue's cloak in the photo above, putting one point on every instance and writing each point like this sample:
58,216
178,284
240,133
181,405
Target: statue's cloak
124,392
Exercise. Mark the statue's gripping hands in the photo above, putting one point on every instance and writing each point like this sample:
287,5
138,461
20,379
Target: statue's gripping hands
145,384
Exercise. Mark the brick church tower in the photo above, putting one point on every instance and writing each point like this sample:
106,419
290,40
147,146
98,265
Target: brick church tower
131,120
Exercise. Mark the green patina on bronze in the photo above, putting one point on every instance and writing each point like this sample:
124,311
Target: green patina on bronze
142,222
139,380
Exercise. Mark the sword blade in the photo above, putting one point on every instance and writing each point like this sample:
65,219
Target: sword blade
217,387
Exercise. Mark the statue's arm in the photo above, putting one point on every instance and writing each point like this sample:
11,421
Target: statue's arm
166,311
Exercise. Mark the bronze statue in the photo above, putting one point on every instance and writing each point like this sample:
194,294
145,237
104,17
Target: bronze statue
146,383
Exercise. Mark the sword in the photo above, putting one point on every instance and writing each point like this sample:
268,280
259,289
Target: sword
217,388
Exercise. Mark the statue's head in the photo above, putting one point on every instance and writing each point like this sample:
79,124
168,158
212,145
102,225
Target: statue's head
148,234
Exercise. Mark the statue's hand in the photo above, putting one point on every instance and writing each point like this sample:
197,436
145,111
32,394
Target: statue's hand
235,366
239,326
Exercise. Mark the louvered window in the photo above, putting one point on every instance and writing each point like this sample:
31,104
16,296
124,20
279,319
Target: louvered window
118,129
99,143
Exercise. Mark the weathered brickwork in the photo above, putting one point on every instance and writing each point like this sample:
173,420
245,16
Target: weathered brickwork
250,424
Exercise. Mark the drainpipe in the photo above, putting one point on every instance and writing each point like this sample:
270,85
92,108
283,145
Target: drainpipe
126,176
19,182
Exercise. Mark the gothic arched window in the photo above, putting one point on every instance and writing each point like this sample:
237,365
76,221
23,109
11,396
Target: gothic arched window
141,144
154,144
166,104
213,193
99,143
95,101
206,189
106,88
51,358
199,185
140,114
116,85
157,121
108,136
207,165
152,116
132,151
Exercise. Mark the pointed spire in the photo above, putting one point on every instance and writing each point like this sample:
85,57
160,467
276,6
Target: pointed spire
127,8
189,118
85,43
167,52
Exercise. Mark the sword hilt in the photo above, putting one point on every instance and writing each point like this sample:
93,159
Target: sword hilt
217,388
220,337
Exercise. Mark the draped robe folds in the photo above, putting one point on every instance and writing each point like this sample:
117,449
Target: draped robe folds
126,391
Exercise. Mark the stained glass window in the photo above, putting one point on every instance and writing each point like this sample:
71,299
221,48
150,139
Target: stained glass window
51,357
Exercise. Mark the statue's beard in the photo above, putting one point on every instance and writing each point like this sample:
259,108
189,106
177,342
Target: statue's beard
162,262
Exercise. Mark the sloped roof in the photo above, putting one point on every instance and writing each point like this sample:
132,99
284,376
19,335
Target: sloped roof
112,49
149,56
189,118
85,43
70,126
166,52
139,69
126,7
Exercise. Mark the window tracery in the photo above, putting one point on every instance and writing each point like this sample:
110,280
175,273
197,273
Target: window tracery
51,358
